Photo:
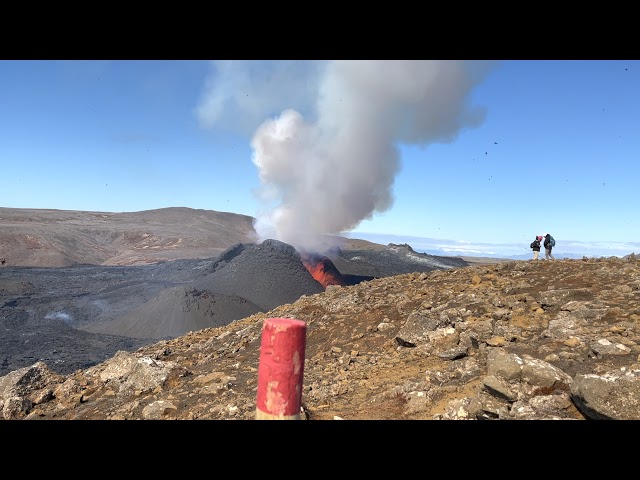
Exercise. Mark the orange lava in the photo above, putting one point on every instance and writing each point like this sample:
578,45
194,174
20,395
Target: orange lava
323,270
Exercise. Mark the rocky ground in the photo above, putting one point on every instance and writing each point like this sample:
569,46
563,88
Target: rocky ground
77,286
74,317
524,340
432,338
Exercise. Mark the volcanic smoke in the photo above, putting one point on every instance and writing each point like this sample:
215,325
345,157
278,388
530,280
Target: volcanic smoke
324,172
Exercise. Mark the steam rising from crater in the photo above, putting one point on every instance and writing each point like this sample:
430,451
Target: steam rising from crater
326,172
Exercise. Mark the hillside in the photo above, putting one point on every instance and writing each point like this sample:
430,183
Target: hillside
62,238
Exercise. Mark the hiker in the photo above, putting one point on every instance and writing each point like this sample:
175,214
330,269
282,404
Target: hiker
535,245
548,246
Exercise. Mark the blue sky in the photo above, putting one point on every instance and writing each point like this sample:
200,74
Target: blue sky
466,158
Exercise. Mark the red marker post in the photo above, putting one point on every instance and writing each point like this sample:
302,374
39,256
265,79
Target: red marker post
281,369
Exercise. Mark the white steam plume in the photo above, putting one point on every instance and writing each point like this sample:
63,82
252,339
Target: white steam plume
326,174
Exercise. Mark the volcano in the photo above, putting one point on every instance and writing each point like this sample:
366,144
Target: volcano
246,278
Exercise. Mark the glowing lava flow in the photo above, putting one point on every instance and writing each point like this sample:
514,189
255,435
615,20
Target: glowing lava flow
323,270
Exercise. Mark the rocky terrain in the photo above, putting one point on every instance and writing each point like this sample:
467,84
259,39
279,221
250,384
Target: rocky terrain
152,285
521,340
158,315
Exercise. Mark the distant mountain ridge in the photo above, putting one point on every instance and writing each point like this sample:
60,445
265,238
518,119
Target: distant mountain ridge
63,238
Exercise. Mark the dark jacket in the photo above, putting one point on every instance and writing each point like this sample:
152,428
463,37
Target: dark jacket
547,240
535,245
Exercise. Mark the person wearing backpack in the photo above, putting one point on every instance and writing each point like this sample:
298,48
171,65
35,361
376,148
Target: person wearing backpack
535,245
549,243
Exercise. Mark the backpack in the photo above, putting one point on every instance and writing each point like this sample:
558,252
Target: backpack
552,241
